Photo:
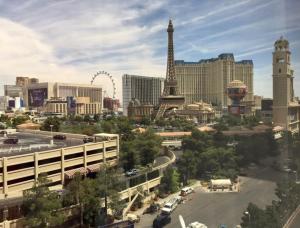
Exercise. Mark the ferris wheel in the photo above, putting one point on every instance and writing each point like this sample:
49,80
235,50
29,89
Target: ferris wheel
104,73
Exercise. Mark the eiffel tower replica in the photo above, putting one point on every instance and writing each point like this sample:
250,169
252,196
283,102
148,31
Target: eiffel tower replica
170,98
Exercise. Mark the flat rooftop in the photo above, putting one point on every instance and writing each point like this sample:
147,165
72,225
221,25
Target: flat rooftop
34,142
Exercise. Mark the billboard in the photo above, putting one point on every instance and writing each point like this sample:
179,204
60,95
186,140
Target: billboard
36,97
71,105
11,103
236,110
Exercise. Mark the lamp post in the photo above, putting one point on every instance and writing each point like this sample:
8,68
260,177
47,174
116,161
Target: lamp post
296,175
51,140
249,216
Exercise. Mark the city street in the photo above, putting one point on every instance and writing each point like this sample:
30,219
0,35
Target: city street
214,209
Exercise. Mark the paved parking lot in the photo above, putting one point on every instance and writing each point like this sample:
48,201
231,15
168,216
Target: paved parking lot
29,142
214,209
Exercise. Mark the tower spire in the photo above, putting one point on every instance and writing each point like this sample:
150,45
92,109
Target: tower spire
170,98
170,82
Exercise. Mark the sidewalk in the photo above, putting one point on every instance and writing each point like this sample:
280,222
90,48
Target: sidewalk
161,201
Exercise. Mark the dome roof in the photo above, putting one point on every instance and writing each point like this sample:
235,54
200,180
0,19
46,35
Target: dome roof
236,84
281,43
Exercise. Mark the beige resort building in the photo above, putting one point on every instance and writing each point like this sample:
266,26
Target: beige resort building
207,79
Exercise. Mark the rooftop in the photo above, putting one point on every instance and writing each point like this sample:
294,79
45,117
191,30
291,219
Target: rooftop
34,142
223,56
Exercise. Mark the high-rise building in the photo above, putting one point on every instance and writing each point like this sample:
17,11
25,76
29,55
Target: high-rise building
208,79
25,81
13,91
286,109
143,88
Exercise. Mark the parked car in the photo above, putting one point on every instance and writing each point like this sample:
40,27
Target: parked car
131,172
170,206
186,190
179,199
88,139
12,140
60,137
3,132
196,225
154,207
161,220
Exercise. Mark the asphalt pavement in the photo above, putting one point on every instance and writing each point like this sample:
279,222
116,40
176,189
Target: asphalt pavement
214,209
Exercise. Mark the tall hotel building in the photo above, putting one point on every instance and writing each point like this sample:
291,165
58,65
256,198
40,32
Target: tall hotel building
208,79
146,90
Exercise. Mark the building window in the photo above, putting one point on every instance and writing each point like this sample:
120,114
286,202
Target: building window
279,70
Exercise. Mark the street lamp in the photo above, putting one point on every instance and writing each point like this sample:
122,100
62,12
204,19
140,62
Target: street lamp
51,140
296,174
249,216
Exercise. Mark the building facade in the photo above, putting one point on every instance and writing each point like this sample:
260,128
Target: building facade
199,112
267,110
19,172
257,102
146,89
111,104
88,97
13,91
208,79
286,108
138,111
72,105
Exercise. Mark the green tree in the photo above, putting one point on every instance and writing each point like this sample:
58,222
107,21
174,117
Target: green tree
259,218
107,126
87,118
170,180
19,120
78,118
254,217
124,128
51,121
129,155
161,122
96,117
41,206
148,146
146,121
218,160
108,186
81,192
187,165
198,141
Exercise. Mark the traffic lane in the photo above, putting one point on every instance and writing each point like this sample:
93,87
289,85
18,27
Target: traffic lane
157,162
160,160
214,209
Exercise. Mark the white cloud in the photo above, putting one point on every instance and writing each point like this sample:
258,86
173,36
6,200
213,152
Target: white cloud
69,40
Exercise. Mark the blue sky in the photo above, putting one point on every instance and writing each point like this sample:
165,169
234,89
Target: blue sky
70,40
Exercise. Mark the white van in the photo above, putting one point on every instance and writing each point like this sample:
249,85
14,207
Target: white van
185,191
170,206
